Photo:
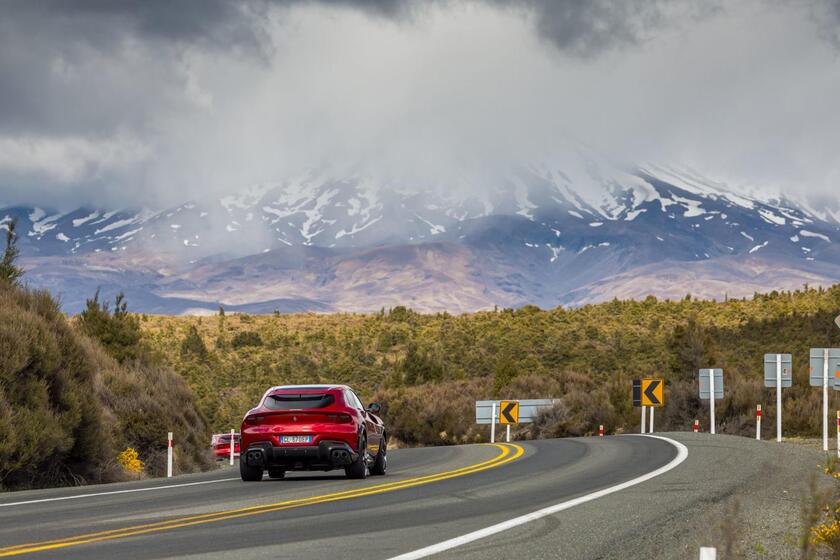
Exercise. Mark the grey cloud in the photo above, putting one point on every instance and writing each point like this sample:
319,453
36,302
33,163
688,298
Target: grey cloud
57,56
138,100
574,27
587,28
828,14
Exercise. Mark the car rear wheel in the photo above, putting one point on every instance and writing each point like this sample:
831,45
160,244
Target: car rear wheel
248,473
358,468
380,464
276,473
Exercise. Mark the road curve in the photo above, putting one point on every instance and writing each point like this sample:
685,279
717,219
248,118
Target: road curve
430,495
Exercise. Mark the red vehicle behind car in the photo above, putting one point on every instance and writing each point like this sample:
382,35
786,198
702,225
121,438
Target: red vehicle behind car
221,445
312,427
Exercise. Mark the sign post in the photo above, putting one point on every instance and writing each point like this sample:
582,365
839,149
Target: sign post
711,387
509,412
778,373
825,399
493,425
169,455
823,361
838,434
644,419
232,433
648,393
712,403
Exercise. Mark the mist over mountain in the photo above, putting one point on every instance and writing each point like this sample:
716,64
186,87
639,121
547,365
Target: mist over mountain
578,230
345,155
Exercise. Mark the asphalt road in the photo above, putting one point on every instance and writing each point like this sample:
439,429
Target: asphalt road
429,495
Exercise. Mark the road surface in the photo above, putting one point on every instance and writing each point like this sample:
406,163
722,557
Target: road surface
430,496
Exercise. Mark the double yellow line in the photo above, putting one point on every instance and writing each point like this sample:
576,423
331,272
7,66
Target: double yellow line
507,453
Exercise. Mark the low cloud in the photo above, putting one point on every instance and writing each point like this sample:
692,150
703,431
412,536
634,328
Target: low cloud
146,104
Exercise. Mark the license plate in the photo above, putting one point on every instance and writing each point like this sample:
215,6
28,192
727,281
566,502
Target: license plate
295,439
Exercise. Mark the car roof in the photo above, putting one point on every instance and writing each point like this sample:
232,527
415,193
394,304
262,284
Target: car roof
307,387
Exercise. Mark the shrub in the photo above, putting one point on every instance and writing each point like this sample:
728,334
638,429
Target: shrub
130,461
246,338
118,332
193,345
67,405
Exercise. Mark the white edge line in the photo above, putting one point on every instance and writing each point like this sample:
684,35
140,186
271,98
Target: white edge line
132,490
682,455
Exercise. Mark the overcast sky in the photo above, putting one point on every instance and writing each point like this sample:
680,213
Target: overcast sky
155,102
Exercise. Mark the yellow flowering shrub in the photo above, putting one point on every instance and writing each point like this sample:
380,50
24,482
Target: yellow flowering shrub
826,531
130,461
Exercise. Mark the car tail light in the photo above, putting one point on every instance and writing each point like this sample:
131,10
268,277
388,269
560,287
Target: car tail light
254,419
339,418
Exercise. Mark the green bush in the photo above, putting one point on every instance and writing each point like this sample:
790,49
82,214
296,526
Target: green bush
118,332
430,368
246,338
67,407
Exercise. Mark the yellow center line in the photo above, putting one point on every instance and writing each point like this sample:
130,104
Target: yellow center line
296,503
505,456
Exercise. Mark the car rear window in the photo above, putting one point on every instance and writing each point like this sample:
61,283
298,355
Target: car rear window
298,401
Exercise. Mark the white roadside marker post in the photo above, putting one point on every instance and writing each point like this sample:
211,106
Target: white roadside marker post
778,397
708,553
493,424
232,432
758,422
712,401
651,418
507,436
169,455
696,426
601,430
838,434
825,399
644,415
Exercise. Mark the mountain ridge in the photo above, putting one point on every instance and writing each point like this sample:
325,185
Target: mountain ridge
541,234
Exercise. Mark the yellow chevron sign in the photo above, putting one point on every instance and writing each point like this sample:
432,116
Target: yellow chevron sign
509,412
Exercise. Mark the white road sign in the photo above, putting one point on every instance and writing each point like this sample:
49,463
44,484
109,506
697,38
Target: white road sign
528,409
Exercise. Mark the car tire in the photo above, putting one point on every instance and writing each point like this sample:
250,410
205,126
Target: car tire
380,464
277,473
249,473
358,469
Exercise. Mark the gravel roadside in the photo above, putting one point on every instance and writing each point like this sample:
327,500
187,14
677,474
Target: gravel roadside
729,490
733,493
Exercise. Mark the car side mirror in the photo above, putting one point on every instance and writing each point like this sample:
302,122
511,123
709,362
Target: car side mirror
374,408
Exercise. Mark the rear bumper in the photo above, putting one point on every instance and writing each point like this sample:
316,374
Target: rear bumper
326,455
225,452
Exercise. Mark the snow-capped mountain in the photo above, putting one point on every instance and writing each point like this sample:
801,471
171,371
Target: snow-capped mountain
576,230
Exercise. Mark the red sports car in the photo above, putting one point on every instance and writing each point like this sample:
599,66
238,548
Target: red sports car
312,427
221,445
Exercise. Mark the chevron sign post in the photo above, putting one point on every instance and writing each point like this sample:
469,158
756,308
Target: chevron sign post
520,411
648,393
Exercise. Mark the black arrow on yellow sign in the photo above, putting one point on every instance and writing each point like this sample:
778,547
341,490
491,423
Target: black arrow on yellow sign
652,394
648,392
509,412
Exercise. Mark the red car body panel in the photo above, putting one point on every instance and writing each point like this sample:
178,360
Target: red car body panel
221,445
330,415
